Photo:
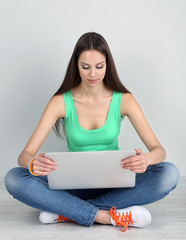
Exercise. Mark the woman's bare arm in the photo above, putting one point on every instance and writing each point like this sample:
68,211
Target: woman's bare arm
53,110
133,111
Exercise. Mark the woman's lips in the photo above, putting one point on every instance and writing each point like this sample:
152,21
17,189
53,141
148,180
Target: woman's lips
92,80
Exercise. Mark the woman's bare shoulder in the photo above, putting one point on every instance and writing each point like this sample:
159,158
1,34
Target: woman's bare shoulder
126,100
58,104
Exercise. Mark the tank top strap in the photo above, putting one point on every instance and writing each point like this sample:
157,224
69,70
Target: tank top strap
116,105
68,104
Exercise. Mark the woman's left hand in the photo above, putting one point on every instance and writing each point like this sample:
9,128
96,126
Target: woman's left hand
137,163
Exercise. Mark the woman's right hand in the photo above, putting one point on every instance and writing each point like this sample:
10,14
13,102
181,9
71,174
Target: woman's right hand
42,165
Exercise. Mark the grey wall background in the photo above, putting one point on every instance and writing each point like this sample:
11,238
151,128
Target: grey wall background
147,39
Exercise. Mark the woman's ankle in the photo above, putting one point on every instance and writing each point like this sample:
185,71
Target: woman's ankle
103,217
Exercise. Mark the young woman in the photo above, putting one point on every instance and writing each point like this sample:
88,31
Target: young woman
90,104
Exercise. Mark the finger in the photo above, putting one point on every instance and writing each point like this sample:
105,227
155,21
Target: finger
40,173
129,159
133,164
43,169
137,167
141,168
45,160
136,170
132,159
37,163
138,151
126,167
41,154
138,162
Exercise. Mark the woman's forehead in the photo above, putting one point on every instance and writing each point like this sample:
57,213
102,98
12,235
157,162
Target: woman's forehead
91,57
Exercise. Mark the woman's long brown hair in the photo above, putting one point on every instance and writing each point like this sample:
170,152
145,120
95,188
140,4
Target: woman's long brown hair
89,41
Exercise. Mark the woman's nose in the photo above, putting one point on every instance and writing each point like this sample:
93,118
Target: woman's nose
92,73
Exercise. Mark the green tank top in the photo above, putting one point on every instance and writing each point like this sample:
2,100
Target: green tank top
100,139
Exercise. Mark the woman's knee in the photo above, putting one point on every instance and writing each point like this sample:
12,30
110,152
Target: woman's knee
171,174
12,179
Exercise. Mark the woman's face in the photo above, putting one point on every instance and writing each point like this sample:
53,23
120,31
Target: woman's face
92,67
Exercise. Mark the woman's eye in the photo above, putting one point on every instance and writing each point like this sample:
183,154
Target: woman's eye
85,67
99,67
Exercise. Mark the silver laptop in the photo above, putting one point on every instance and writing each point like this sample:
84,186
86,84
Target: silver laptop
93,169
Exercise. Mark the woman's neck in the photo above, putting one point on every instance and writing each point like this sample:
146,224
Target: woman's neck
93,92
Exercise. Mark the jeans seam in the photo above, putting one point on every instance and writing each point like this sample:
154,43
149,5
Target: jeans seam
93,216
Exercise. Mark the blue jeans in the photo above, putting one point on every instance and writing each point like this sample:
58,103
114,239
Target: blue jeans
81,206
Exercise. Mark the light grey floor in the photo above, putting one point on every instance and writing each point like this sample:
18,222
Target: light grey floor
18,221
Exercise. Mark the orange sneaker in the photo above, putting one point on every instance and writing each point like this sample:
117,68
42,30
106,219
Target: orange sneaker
63,219
135,216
